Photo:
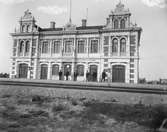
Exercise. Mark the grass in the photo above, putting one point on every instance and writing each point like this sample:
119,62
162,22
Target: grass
38,113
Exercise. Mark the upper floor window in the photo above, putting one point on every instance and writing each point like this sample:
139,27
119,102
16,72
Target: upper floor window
122,24
45,47
116,24
24,28
56,47
115,46
81,46
21,47
55,69
15,43
123,45
94,46
27,46
68,46
28,28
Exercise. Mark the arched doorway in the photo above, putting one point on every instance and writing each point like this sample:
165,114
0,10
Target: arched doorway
44,71
67,68
93,73
118,73
23,70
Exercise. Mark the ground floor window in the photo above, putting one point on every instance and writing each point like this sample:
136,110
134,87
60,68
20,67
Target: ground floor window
80,70
44,71
55,69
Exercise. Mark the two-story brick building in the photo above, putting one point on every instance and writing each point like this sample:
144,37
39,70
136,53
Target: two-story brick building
40,53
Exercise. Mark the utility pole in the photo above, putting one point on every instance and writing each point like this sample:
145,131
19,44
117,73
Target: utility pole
70,11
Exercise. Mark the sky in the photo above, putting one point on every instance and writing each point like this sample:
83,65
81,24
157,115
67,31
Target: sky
151,15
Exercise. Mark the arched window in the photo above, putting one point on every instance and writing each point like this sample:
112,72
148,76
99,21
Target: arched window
27,47
122,25
21,48
28,28
80,70
23,28
116,24
115,46
55,69
123,46
44,71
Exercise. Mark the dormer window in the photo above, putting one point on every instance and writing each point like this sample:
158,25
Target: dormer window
122,24
116,24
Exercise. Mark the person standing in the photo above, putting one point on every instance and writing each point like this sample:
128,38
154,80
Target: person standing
75,76
60,75
87,76
104,76
67,74
94,76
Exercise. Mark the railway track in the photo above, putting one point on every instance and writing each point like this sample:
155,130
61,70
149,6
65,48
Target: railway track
145,89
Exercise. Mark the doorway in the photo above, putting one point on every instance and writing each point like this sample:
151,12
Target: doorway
44,71
118,73
23,70
93,73
67,68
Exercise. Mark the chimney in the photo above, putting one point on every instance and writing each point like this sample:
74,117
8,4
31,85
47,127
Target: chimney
52,24
84,21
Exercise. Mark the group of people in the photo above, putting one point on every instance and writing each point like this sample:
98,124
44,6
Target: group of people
89,76
67,73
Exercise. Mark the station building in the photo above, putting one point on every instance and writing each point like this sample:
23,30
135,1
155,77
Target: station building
40,53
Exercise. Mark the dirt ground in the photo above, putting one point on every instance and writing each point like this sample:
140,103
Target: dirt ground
21,112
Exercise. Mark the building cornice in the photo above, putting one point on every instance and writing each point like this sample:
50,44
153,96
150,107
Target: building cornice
79,32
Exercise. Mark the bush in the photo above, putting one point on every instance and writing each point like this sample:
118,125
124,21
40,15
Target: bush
35,113
158,115
74,102
58,107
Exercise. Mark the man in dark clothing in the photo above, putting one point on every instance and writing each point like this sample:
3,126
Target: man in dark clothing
87,76
67,74
75,76
94,76
103,76
60,75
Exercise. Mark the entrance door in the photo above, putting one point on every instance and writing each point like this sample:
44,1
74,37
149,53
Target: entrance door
118,73
67,68
23,70
44,71
93,73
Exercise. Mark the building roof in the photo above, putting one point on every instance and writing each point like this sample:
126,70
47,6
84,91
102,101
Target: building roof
77,28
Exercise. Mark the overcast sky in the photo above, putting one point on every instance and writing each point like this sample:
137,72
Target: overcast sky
151,15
